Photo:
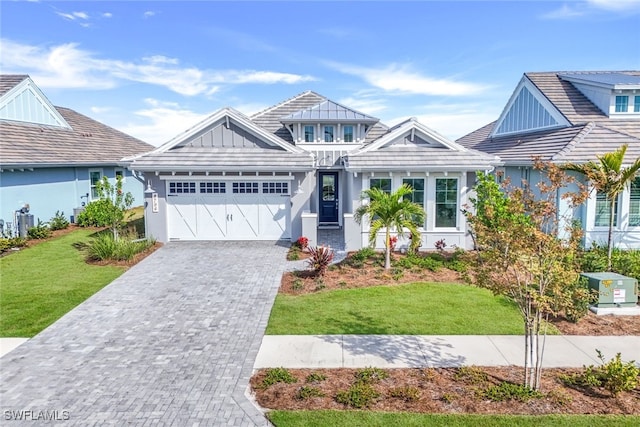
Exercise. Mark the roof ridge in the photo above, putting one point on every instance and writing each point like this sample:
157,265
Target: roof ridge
587,128
286,101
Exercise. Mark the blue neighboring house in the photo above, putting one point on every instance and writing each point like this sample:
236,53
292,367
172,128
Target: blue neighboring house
52,157
572,116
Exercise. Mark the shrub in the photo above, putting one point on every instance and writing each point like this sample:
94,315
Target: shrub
321,257
363,254
297,285
625,262
306,392
293,254
370,375
471,375
95,214
315,377
12,242
105,247
58,221
393,241
614,376
440,245
39,231
510,391
278,375
406,393
359,395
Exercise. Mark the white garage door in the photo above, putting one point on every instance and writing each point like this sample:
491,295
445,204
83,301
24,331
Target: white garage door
228,210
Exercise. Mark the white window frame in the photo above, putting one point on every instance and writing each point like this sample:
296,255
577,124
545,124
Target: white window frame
122,173
626,104
424,194
325,128
92,186
182,184
344,133
435,203
312,133
631,207
616,219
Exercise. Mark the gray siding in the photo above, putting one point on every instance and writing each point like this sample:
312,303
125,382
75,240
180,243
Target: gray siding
221,136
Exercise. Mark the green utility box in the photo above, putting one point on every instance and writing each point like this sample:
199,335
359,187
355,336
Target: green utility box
614,290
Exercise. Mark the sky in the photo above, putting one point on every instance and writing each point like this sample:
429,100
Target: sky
155,69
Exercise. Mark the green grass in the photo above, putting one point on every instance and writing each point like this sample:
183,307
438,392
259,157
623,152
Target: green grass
38,285
414,309
382,419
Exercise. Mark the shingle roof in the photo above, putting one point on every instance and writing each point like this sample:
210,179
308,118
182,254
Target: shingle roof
591,132
223,159
9,81
88,143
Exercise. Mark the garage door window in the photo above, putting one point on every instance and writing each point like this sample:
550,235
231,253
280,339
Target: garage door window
275,187
245,188
182,187
213,187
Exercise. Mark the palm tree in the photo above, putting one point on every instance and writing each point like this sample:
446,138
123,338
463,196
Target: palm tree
390,211
608,177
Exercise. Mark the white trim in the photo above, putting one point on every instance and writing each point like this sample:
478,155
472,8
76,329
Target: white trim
91,186
123,173
28,85
546,104
226,178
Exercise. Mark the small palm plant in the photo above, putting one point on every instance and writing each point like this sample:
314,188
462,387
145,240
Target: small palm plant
391,211
610,178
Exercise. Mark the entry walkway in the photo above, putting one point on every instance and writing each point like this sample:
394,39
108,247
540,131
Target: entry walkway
170,342
409,351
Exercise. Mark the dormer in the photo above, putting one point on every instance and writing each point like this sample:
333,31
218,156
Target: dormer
617,94
328,123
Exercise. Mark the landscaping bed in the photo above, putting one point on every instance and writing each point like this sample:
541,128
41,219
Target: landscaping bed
438,391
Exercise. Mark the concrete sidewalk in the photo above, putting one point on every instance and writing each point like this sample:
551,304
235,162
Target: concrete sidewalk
409,351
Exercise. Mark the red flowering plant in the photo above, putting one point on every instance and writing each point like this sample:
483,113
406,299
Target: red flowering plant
302,242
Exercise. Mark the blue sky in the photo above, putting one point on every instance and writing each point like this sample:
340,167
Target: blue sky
154,69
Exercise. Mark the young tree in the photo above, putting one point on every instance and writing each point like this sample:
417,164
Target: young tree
520,256
610,178
116,203
390,211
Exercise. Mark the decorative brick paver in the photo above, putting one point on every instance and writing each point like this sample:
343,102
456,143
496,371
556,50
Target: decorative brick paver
170,342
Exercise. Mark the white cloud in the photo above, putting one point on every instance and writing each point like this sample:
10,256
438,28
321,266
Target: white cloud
101,110
578,9
68,66
396,78
364,105
148,14
161,122
73,15
107,15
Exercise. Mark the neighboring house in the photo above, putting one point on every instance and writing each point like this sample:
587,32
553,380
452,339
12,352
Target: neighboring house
572,117
52,157
300,165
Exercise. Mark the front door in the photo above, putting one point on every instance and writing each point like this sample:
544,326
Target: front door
329,198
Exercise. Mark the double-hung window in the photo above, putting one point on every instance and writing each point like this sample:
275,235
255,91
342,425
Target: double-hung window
308,133
446,202
95,176
347,132
636,104
328,134
417,196
603,211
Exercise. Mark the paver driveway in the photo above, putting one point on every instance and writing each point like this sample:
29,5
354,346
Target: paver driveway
170,342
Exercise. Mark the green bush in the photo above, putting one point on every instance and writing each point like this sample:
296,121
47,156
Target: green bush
306,392
359,395
406,393
39,231
510,391
95,214
12,242
625,262
471,375
614,376
58,221
278,375
370,375
363,254
105,247
315,377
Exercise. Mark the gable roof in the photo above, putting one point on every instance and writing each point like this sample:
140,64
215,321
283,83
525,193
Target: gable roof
71,140
411,144
589,132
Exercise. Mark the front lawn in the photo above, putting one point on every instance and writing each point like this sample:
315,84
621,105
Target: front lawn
413,309
383,419
42,283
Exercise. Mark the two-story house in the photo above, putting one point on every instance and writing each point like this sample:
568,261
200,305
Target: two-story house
572,117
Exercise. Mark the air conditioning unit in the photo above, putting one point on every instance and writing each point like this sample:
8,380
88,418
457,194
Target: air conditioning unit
614,290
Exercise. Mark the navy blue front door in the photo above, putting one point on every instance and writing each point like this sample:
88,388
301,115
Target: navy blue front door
328,194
